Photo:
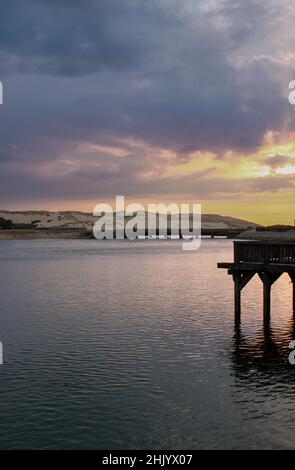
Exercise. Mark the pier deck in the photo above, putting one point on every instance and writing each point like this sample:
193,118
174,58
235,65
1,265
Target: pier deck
267,259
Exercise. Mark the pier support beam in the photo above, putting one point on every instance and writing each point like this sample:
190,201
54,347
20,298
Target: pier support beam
241,279
268,280
237,297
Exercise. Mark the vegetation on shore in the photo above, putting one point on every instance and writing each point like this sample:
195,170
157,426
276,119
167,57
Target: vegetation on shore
276,228
7,224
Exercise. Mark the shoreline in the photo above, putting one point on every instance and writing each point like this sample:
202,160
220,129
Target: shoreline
28,234
271,236
83,234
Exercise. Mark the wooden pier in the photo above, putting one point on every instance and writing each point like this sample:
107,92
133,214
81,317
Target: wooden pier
267,259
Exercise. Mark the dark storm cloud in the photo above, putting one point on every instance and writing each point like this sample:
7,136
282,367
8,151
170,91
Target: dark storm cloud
74,37
278,161
71,37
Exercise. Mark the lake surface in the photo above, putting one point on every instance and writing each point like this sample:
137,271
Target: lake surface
124,345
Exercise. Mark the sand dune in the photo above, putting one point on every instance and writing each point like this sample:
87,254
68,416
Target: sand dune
76,220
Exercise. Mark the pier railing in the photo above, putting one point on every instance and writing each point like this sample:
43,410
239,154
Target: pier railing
264,252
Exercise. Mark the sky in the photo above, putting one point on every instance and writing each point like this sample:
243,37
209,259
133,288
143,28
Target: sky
157,100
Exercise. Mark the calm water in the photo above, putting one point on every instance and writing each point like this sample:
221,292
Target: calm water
133,345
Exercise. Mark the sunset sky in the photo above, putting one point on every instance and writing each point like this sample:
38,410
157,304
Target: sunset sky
156,100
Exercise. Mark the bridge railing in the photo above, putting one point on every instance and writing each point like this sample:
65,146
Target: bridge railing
264,252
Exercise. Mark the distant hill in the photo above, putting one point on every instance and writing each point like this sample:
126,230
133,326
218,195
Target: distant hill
221,221
76,219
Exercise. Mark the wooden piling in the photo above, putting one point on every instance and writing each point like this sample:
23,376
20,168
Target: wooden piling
266,279
237,297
